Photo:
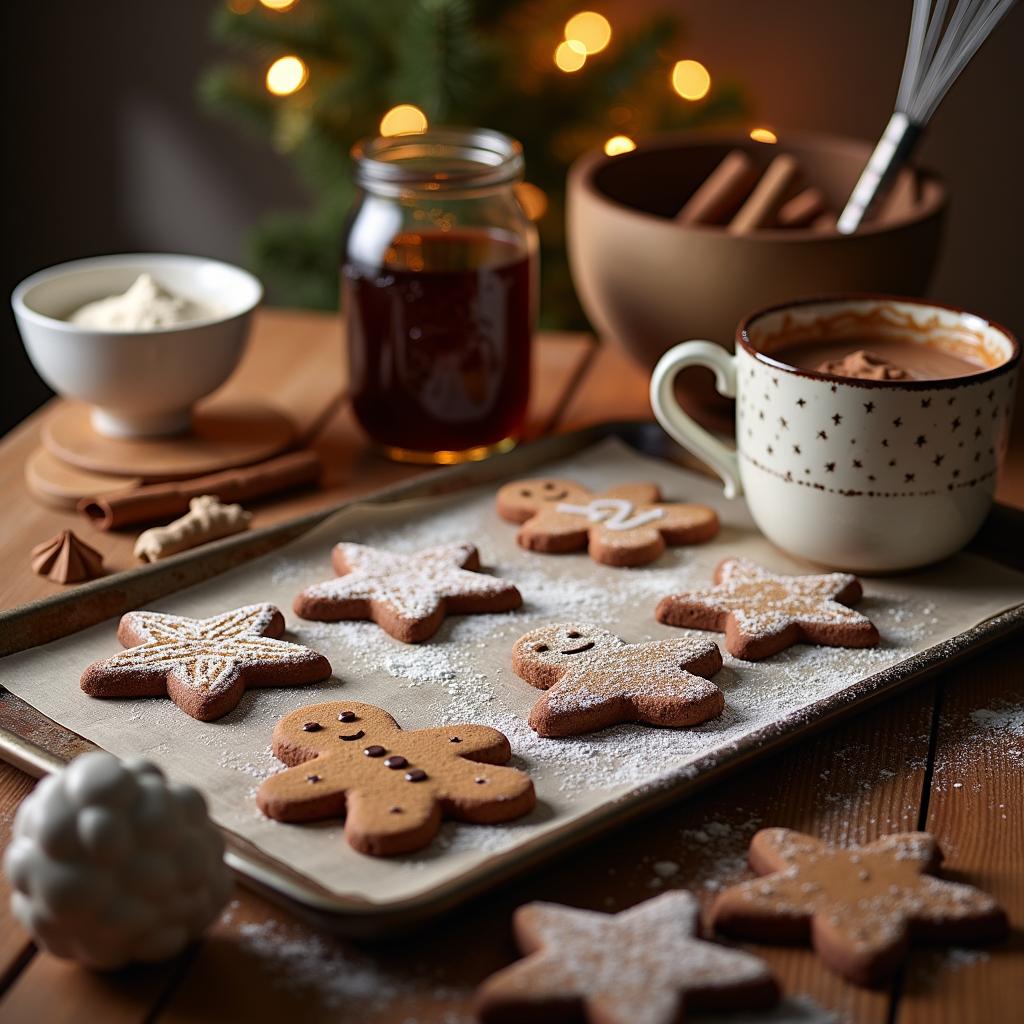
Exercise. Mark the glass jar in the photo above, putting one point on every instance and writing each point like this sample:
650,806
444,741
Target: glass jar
439,294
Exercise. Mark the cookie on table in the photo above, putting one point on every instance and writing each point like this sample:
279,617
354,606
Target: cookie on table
626,525
393,786
593,679
203,665
407,595
762,613
861,907
645,965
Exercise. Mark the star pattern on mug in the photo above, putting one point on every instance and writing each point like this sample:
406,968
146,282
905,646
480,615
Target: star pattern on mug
937,444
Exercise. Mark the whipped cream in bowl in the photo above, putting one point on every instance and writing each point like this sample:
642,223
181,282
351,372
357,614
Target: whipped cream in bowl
139,337
145,306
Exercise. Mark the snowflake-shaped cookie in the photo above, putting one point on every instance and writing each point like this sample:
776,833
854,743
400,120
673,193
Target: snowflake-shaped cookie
203,665
407,595
762,612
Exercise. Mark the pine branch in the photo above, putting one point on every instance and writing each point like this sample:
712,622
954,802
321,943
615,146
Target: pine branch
230,92
300,31
437,55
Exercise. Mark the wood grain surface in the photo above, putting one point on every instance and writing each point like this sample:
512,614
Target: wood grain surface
943,755
285,348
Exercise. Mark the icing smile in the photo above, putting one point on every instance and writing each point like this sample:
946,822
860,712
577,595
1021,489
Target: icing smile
580,649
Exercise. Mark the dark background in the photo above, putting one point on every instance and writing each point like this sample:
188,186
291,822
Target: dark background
108,151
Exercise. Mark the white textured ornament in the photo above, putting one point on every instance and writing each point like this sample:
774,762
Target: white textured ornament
112,864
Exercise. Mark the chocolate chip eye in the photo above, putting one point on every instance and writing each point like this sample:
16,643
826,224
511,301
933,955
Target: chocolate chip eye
574,634
524,493
479,782
540,648
549,486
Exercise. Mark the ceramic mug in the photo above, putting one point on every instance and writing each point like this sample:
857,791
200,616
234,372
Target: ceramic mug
871,476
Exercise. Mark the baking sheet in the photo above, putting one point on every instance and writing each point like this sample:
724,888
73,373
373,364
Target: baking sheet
463,673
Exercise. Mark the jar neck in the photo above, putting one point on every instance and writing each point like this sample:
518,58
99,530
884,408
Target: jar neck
441,162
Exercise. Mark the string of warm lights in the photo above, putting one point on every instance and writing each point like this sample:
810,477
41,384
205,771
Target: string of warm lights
585,34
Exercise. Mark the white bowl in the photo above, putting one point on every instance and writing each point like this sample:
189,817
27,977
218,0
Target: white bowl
140,383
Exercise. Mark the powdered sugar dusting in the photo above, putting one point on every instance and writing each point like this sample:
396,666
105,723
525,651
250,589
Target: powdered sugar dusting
464,674
205,654
457,673
411,584
337,976
764,603
636,964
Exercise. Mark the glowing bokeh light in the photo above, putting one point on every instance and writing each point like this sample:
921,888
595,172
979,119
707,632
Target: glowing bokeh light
764,135
691,79
570,56
286,75
279,5
591,30
619,144
405,119
532,199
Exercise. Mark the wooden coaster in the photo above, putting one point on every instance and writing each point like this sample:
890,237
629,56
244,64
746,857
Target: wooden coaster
223,435
61,485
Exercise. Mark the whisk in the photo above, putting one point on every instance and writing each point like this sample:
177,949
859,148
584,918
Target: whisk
938,49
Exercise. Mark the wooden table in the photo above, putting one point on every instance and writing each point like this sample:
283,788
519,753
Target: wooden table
948,756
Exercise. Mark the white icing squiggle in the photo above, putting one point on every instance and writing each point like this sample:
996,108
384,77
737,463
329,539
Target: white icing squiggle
614,513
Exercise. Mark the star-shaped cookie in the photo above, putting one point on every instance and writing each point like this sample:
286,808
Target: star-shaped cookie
645,965
861,907
392,785
593,679
203,665
407,595
762,612
627,525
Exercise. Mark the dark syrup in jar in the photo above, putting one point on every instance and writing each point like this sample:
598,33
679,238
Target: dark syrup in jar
439,340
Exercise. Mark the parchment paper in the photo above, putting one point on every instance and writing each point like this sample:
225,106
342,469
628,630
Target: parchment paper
463,674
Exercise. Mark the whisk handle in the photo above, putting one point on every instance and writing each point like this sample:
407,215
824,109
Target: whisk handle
893,150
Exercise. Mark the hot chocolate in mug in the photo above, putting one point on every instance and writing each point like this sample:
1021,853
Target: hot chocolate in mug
869,429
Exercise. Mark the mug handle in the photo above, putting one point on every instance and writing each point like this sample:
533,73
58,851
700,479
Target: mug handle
683,428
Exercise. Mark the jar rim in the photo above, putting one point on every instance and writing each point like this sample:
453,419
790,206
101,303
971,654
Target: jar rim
439,158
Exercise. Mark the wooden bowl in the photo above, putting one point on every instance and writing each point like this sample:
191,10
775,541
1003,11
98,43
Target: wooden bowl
647,282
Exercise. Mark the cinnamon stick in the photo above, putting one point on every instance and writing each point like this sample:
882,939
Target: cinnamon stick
802,210
162,501
720,194
769,194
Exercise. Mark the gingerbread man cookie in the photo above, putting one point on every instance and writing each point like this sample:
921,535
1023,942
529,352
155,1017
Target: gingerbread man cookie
407,595
393,786
627,525
593,679
643,966
762,613
203,665
860,907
